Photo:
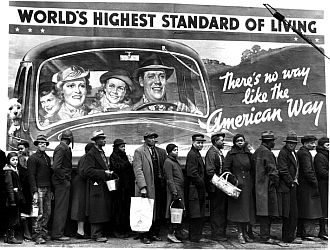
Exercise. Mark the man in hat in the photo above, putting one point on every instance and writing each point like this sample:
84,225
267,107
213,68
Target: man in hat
266,180
195,177
40,172
308,196
214,161
153,76
62,166
98,200
288,167
148,164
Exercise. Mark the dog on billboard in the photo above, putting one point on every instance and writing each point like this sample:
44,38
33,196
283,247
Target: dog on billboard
14,116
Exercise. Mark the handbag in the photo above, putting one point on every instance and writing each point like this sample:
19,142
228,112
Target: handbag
141,214
224,185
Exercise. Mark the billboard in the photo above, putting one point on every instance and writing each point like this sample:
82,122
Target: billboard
177,69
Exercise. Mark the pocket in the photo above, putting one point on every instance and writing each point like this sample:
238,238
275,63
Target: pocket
96,190
193,194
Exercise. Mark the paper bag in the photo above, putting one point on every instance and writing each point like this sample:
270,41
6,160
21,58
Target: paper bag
141,214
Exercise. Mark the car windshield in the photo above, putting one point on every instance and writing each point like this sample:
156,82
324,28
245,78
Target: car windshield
97,82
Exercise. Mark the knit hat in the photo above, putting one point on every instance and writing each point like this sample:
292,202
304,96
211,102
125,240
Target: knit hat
170,147
322,141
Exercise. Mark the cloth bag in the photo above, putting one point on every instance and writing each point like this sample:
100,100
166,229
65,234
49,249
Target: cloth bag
141,214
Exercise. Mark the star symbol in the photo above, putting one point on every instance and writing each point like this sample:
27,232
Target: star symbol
296,39
30,30
42,30
317,40
17,29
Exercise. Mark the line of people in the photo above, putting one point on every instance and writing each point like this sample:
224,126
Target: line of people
293,186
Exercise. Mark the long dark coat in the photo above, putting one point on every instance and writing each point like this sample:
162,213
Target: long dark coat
321,163
78,187
266,174
239,163
288,166
24,179
174,180
309,200
144,176
195,184
97,193
62,164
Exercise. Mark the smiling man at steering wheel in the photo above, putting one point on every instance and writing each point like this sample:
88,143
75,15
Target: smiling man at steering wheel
152,76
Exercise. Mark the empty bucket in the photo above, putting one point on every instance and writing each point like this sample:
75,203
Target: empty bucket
113,183
176,213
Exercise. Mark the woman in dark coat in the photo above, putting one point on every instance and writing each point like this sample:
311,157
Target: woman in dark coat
321,163
175,190
78,191
121,166
238,161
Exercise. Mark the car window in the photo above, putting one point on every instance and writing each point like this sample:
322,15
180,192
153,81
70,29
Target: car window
69,87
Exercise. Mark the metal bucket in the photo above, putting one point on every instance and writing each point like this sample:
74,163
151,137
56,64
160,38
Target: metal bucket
113,183
176,214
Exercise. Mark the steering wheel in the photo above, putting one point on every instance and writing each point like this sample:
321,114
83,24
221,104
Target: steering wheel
166,104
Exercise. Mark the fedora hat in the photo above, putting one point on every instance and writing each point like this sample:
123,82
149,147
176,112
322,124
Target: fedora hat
67,134
71,73
267,135
120,74
150,134
153,62
291,137
118,142
214,136
98,134
41,139
198,137
308,138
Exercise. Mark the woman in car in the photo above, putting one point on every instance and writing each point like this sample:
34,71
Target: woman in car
117,87
49,103
73,86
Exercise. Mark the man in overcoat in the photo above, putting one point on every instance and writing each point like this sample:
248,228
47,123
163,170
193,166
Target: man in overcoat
214,161
308,197
196,188
61,179
148,164
96,171
288,167
266,180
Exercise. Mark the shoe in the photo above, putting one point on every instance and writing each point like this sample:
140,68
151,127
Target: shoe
247,239
47,237
155,238
307,238
297,241
82,236
62,238
240,238
181,234
40,240
172,238
323,236
101,239
27,236
145,241
270,241
219,238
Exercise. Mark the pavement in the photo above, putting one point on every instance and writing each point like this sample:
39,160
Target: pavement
207,243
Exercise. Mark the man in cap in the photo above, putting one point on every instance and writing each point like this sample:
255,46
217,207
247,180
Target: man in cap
148,164
96,171
214,161
40,172
288,167
62,166
308,197
266,180
153,76
195,175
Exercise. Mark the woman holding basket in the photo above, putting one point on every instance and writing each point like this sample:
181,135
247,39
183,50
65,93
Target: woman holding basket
238,161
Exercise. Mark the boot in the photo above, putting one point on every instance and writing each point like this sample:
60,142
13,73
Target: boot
240,236
11,237
26,230
250,232
322,233
246,236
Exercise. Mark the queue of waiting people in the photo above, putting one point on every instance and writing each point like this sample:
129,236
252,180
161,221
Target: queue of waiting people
293,187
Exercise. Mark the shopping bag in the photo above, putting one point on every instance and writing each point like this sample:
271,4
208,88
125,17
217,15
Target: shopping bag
141,214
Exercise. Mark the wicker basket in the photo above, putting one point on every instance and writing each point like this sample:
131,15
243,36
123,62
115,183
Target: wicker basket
224,185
